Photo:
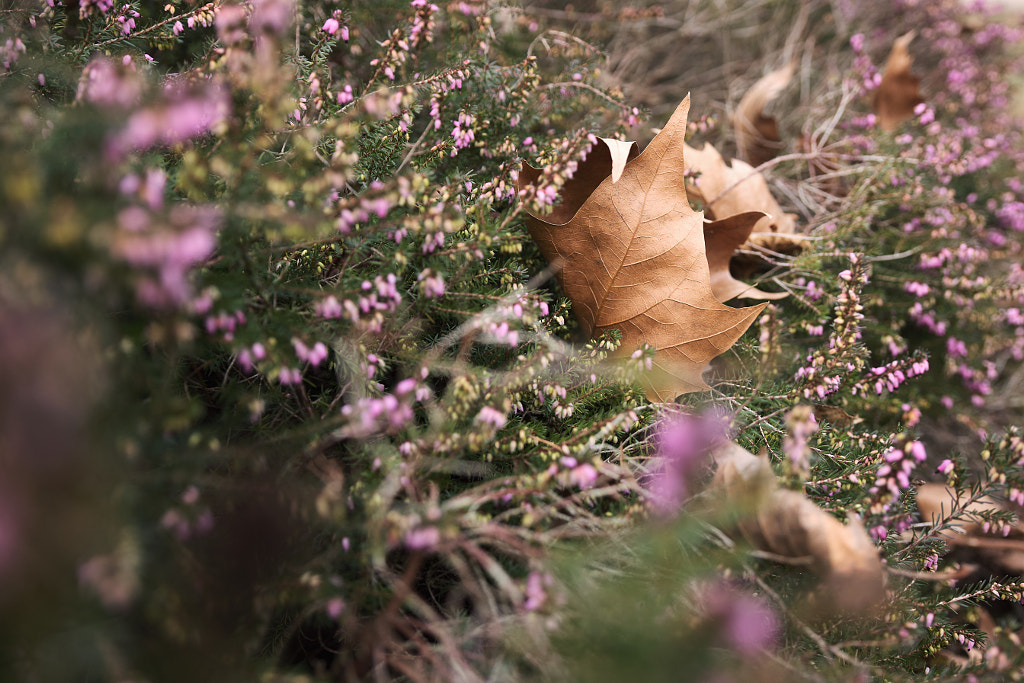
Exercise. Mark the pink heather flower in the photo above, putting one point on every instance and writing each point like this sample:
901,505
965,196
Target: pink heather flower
433,285
344,97
10,51
329,308
111,579
272,17
344,33
422,538
175,522
917,288
745,622
501,333
583,475
230,23
956,348
288,376
801,425
178,28
190,496
313,356
108,83
334,608
918,452
181,117
330,26
168,251
491,416
682,445
1016,496
535,594
318,354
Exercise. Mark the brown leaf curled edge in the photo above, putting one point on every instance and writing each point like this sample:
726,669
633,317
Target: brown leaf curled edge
788,524
757,134
632,257
729,189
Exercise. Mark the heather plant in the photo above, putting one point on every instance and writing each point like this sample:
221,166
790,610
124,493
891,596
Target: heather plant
291,393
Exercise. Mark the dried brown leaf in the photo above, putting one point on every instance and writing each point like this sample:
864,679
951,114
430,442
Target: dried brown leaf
788,524
729,189
900,91
757,134
632,258
721,239
937,502
834,415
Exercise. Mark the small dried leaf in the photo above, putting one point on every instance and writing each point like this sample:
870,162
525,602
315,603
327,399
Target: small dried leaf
632,258
727,190
900,91
787,523
835,415
757,134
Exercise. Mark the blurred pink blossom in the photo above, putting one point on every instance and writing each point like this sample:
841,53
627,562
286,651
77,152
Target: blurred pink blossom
683,443
422,538
491,416
746,623
164,250
183,116
107,83
271,17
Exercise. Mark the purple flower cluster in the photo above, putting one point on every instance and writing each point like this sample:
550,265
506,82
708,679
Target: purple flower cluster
825,369
899,462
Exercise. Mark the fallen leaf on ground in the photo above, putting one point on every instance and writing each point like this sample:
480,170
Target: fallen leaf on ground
757,134
788,524
900,91
729,189
632,257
